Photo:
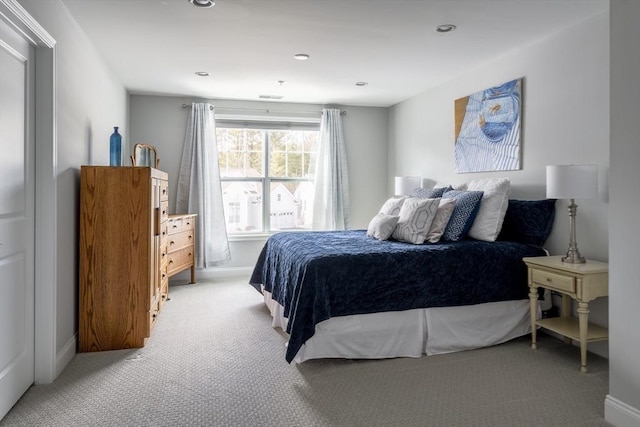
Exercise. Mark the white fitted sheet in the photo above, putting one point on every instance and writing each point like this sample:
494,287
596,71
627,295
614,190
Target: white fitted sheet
411,333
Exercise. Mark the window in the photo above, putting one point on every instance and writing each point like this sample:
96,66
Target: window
265,171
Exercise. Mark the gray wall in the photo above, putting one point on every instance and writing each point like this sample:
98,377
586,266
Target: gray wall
161,121
565,120
90,100
622,406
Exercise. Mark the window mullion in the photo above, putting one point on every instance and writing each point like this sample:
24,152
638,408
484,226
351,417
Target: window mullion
266,186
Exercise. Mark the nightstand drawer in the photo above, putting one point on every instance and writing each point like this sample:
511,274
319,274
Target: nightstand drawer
554,281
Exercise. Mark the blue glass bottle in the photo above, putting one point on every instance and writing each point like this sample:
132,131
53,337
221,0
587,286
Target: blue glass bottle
115,148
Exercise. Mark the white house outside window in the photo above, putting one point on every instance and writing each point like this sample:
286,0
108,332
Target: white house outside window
265,171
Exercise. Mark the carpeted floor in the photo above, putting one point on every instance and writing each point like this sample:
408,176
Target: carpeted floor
214,360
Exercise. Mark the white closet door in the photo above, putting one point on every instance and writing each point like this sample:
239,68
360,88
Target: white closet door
17,195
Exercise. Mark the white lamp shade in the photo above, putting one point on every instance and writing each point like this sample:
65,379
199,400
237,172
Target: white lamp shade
404,185
572,181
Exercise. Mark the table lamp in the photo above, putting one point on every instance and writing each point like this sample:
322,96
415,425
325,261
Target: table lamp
404,185
572,182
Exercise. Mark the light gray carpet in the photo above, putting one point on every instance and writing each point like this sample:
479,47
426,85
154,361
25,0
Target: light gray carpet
214,360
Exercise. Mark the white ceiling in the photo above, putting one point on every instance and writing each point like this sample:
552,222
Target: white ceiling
156,46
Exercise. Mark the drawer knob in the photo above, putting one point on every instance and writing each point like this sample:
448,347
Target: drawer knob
171,262
191,237
172,242
175,226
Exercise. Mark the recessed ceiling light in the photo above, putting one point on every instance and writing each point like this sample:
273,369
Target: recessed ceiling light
202,74
202,3
445,28
361,83
301,56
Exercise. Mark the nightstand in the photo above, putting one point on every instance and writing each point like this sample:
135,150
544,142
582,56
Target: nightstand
581,282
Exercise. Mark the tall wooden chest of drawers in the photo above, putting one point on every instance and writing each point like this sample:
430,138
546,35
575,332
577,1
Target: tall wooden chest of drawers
123,255
181,244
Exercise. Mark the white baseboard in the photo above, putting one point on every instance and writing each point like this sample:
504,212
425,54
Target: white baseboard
620,414
66,354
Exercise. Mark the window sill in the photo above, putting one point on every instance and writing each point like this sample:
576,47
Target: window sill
249,237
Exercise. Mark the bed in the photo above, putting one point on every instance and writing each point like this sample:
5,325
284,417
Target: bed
345,294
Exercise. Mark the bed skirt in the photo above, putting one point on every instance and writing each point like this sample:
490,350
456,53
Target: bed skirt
411,333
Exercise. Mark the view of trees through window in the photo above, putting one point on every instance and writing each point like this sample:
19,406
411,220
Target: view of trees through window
267,179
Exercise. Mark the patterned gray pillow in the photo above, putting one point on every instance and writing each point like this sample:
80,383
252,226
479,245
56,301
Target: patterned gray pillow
416,216
392,206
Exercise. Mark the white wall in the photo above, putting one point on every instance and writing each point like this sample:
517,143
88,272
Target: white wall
90,100
622,406
565,120
161,121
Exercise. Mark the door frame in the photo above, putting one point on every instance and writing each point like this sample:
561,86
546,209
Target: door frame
46,367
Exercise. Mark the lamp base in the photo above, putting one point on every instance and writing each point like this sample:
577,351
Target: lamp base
573,257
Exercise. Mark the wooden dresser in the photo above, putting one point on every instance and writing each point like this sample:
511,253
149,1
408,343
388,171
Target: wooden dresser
181,244
123,255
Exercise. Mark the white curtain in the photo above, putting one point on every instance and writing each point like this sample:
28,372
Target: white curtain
331,199
199,187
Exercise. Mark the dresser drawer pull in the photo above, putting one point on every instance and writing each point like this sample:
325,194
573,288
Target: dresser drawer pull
172,242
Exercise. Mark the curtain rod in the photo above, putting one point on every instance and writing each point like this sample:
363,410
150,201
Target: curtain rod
266,110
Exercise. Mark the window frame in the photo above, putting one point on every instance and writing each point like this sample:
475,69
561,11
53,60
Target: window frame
269,124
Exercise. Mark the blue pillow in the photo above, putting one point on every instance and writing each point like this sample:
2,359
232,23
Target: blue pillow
464,213
430,193
528,221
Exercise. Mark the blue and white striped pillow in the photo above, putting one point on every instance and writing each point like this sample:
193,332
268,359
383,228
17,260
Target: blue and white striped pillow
464,213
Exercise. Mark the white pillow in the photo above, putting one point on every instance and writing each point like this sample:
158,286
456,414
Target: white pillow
416,216
392,206
382,225
440,221
493,207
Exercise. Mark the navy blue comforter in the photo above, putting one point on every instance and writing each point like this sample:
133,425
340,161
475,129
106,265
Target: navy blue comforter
319,275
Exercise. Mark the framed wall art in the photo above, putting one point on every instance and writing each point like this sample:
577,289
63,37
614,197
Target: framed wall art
487,129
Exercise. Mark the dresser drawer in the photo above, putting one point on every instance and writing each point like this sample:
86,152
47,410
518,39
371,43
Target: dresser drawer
179,260
175,226
164,256
554,281
164,210
178,225
180,240
164,191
